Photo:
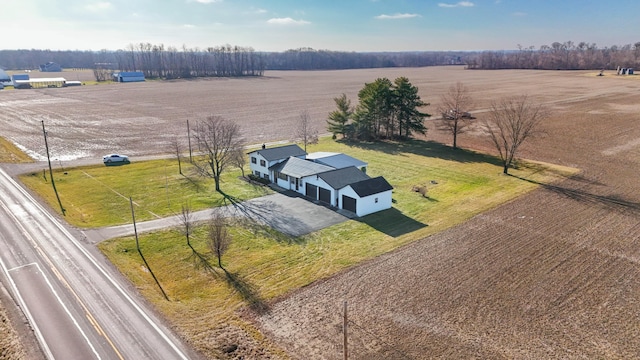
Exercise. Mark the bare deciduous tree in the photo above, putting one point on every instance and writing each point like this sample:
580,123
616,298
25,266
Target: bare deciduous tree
219,237
240,160
186,218
305,131
220,140
454,107
177,147
510,122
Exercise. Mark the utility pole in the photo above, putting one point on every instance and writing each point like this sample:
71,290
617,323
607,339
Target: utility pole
53,182
344,331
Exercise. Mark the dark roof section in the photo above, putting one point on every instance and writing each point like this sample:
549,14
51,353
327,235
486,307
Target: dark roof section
340,178
372,186
282,152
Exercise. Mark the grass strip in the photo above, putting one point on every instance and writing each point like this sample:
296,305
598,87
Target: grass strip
9,153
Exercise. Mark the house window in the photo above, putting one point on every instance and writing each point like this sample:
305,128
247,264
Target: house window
254,160
266,176
262,163
256,173
282,176
376,200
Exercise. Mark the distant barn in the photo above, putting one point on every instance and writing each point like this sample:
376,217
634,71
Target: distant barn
5,79
18,80
39,83
50,67
128,76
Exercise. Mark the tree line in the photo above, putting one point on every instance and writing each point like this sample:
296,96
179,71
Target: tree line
311,59
168,62
560,56
158,61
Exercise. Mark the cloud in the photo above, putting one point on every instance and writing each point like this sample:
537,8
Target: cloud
287,21
396,16
519,14
98,7
458,4
188,26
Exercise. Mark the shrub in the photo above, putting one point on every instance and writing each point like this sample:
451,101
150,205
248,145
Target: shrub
257,179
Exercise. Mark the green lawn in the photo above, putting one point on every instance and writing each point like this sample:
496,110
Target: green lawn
99,195
9,153
263,264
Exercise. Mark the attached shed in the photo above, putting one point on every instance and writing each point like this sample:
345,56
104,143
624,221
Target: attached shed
367,196
337,160
128,76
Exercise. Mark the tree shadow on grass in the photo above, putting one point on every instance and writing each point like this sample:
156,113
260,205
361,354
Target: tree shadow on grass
247,291
201,261
260,220
426,148
614,202
195,183
392,222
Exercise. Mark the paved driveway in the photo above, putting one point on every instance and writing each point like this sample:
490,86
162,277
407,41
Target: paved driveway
286,212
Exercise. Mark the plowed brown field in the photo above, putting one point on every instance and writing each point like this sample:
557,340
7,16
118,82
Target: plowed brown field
554,274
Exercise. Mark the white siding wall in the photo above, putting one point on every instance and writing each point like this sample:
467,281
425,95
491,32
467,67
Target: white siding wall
286,184
367,205
257,167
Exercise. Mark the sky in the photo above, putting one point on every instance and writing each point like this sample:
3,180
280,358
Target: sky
338,25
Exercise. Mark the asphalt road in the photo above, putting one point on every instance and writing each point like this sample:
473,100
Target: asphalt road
78,306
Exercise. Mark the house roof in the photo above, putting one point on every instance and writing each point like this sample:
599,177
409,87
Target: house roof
281,152
371,186
335,160
299,168
340,178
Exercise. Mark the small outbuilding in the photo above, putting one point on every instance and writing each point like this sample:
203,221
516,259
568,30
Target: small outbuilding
5,79
20,81
50,67
39,83
128,76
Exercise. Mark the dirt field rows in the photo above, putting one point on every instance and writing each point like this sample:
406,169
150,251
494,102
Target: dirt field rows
554,274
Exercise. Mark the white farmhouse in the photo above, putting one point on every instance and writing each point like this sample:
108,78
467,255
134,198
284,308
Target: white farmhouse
261,160
334,179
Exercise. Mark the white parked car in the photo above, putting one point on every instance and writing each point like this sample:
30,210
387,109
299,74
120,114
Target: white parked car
115,158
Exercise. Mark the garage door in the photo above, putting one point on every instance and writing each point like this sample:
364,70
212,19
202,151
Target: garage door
325,195
348,203
312,191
